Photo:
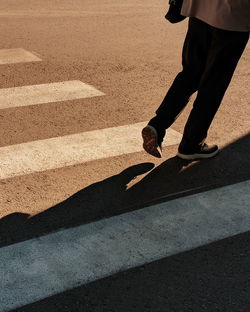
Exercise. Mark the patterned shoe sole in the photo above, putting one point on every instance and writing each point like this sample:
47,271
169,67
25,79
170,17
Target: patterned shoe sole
150,144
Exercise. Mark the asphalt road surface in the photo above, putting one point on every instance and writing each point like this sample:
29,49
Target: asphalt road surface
89,221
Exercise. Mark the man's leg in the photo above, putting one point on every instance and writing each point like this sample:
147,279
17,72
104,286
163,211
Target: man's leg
224,53
194,55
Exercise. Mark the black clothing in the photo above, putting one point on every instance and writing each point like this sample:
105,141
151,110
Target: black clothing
209,58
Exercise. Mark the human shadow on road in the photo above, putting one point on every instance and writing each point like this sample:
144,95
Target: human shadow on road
173,178
96,201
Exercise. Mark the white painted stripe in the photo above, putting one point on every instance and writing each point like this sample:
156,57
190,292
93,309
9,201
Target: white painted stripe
73,149
41,267
10,56
46,93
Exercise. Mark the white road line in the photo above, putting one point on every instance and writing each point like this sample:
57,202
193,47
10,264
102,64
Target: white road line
10,56
35,269
73,149
46,93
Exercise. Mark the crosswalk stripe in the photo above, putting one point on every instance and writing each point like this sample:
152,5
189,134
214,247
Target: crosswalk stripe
46,93
38,268
41,155
19,55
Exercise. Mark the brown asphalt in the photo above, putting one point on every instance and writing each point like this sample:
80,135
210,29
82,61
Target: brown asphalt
128,51
132,54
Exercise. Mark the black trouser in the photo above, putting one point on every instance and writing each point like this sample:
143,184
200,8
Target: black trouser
209,58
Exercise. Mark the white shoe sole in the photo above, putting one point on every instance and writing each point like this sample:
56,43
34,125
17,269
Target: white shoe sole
197,156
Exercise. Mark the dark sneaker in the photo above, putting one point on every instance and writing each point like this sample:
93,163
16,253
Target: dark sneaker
150,141
202,151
